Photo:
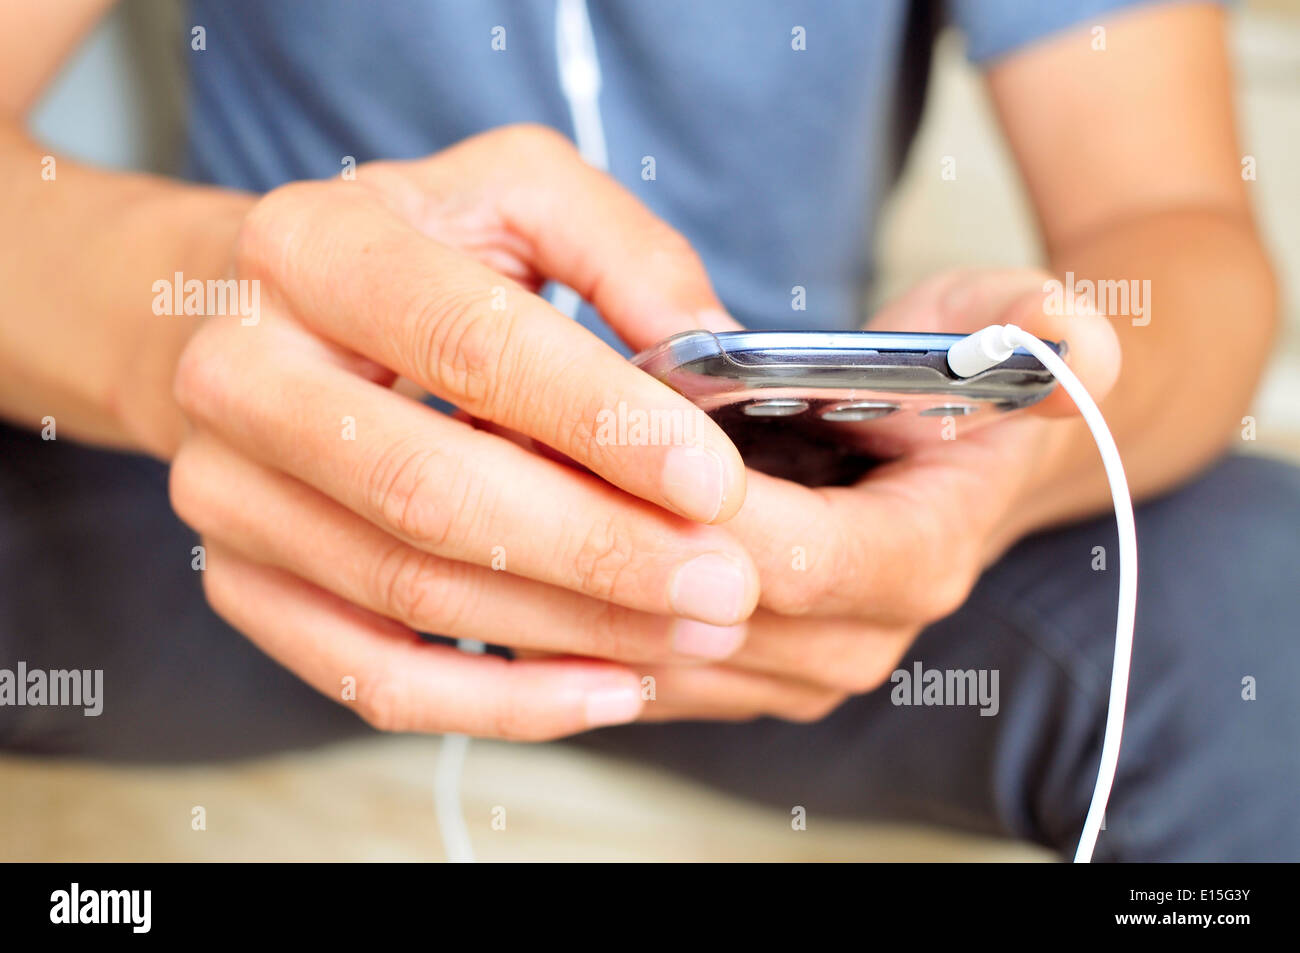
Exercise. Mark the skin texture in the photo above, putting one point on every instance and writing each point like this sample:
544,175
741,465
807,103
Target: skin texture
330,553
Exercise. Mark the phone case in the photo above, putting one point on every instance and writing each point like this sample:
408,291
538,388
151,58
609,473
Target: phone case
822,408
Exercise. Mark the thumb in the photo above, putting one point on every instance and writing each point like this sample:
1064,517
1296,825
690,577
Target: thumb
1033,299
1092,348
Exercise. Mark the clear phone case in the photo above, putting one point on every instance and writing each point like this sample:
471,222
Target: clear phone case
824,407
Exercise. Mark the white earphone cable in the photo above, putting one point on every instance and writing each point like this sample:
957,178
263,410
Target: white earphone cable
447,773
985,349
575,54
580,81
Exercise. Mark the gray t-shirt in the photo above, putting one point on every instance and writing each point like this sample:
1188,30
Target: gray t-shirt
775,128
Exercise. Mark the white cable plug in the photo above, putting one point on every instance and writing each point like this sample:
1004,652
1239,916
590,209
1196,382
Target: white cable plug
986,349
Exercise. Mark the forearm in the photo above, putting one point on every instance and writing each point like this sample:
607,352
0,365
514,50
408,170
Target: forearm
1187,376
79,340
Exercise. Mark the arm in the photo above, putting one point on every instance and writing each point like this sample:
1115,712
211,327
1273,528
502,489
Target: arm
340,517
1131,160
78,339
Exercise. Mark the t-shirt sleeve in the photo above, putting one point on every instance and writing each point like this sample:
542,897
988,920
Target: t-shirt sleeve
994,28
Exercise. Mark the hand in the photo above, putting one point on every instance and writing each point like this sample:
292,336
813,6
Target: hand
340,517
850,575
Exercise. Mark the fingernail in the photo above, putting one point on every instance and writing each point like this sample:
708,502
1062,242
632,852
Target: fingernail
613,706
709,588
701,640
693,482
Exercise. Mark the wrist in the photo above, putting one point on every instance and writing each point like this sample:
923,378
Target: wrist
141,400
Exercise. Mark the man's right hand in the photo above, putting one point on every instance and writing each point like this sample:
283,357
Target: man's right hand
341,517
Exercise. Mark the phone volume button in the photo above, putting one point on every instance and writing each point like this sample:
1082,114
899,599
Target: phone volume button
948,410
775,407
858,410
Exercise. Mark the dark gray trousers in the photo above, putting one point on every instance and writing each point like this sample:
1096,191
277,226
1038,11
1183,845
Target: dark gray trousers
95,574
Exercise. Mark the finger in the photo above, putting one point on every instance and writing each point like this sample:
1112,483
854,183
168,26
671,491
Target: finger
974,300
890,551
445,488
518,439
720,693
367,280
841,654
277,520
398,682
580,227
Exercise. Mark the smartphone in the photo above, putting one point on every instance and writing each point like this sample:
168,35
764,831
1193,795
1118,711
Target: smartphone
824,407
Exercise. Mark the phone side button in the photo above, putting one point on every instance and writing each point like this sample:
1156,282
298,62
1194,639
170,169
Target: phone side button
859,410
948,410
776,407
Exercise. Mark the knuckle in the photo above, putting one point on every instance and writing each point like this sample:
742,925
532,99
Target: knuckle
397,489
270,231
466,348
603,558
421,589
383,704
616,633
572,422
404,583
